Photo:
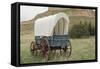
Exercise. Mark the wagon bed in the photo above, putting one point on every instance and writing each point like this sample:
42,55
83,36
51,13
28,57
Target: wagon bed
54,41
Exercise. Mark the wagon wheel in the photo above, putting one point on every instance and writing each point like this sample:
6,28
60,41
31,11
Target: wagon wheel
45,47
32,47
67,49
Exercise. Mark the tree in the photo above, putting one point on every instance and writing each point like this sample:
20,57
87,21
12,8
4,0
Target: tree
79,30
91,29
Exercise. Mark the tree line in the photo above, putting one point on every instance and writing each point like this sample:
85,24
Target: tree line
82,29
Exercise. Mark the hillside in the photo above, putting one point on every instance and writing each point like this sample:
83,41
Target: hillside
75,16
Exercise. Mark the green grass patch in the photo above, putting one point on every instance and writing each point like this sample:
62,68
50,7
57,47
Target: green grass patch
82,49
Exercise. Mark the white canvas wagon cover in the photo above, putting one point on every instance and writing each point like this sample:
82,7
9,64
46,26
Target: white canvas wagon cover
45,26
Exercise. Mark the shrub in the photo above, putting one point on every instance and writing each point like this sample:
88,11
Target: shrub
91,29
82,30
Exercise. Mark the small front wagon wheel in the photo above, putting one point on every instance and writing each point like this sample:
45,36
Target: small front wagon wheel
67,49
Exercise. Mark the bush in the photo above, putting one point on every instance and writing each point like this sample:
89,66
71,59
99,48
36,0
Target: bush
82,30
91,29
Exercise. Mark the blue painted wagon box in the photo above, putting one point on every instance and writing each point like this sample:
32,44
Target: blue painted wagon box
52,34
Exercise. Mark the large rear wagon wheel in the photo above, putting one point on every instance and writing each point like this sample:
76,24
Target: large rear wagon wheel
45,47
32,47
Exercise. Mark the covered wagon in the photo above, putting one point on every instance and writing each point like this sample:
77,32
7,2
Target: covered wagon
51,33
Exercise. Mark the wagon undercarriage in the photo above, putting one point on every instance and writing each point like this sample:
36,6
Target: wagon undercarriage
53,45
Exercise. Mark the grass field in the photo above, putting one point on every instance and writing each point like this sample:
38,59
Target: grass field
82,49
